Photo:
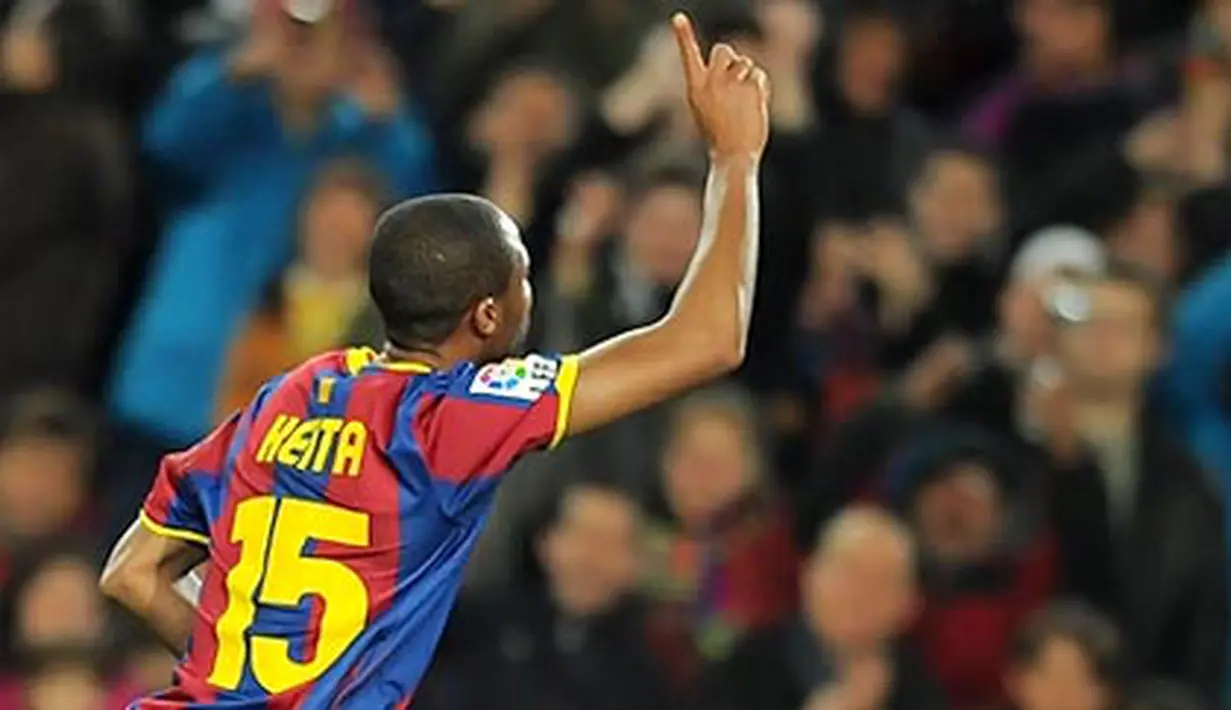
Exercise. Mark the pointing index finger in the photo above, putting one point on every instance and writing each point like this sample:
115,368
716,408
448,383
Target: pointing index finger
690,49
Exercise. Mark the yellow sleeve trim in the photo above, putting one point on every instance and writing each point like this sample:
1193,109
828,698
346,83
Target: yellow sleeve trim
173,533
566,382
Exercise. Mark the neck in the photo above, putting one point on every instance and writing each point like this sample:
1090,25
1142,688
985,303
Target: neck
443,357
1108,417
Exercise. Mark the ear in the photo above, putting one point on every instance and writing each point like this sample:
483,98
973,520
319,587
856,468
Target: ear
487,318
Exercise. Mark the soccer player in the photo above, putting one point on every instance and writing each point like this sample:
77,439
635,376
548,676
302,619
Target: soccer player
337,511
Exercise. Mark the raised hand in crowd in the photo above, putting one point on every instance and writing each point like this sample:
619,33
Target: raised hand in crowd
653,84
529,117
26,61
889,259
260,54
373,80
1049,408
588,218
937,373
792,31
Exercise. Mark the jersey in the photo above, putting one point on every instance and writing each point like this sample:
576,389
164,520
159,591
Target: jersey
339,510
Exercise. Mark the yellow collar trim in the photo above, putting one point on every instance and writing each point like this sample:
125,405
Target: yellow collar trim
359,358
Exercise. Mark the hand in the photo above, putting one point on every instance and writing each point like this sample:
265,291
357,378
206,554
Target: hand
26,59
593,203
1154,143
374,81
261,53
889,258
792,32
934,375
1049,406
654,82
831,289
729,96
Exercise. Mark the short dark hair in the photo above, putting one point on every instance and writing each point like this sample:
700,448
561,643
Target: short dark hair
1080,624
659,174
49,414
956,147
860,11
431,260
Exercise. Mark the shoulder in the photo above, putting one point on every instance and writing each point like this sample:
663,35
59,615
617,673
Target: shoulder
516,380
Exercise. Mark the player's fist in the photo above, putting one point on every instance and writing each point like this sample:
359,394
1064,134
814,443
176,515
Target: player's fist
729,94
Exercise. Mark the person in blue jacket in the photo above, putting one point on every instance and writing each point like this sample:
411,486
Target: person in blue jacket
234,141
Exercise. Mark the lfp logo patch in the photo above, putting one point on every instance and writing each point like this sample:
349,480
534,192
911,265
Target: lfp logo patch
516,378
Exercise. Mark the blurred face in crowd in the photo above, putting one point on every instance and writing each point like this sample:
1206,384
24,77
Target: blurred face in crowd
28,60
709,465
1147,237
1116,349
1061,678
871,63
590,553
61,606
955,205
42,483
1064,39
71,686
337,228
859,585
530,113
662,231
149,667
311,62
958,516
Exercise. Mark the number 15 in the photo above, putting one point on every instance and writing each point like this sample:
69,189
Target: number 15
273,571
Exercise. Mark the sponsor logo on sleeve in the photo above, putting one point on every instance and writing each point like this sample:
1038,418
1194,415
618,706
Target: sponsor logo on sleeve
516,378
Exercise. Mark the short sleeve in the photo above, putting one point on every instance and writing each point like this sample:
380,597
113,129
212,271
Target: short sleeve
185,489
474,428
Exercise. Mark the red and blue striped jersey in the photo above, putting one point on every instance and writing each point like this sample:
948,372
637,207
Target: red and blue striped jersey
339,509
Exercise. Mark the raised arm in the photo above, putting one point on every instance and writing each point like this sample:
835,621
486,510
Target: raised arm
703,335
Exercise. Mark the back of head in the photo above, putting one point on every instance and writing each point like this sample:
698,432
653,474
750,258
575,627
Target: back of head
432,259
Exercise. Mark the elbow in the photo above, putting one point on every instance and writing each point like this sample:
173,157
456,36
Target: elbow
715,351
121,585
112,583
722,355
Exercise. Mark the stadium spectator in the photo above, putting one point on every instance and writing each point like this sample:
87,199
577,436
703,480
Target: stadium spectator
315,303
65,681
236,138
872,143
1066,657
52,616
48,447
846,649
943,324
65,192
1125,496
573,637
723,562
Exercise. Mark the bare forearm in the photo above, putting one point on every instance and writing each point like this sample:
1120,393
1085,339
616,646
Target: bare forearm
715,298
703,335
144,575
164,610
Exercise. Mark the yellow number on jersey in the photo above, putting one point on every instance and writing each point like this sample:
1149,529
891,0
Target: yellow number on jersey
272,534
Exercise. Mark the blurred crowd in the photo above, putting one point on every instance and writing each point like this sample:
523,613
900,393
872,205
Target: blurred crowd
978,457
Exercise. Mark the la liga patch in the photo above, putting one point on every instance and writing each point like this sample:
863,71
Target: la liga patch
516,378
